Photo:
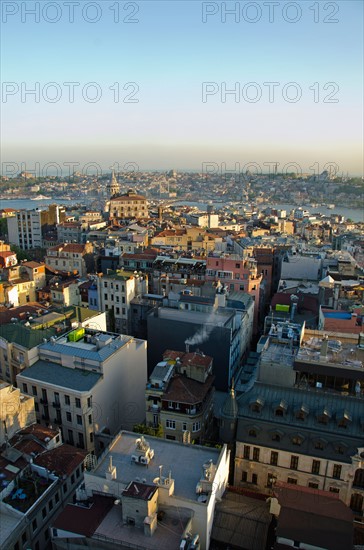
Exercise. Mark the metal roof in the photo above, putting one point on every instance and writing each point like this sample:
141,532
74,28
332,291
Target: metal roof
53,373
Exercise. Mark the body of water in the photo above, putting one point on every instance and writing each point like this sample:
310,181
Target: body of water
356,214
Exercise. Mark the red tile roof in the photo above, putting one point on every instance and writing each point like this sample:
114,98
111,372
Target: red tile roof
84,521
62,460
186,390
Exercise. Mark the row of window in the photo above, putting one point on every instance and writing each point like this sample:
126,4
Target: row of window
111,285
319,444
271,478
111,298
171,425
67,399
274,456
342,420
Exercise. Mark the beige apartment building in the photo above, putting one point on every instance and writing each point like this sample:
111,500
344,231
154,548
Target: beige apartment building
16,411
70,257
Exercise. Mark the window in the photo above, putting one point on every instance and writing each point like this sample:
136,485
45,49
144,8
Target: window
276,437
90,418
36,407
65,487
334,490
336,471
247,452
50,505
24,538
91,437
294,462
171,424
292,480
68,417
256,453
79,419
34,525
274,458
34,390
56,498
67,400
72,479
184,426
319,445
315,469
297,440
78,403
170,404
313,485
89,402
44,512
196,426
255,479
339,449
279,412
253,433
271,478
81,441
25,388
244,476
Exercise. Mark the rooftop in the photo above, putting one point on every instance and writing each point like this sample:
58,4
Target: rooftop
183,461
64,377
186,390
94,345
26,337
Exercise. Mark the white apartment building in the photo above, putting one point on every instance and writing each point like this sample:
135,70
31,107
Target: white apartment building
88,382
25,229
115,291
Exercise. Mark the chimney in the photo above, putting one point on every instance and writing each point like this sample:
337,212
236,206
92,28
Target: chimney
187,348
324,347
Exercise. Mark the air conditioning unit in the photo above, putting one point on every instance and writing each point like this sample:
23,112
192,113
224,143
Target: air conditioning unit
134,458
144,460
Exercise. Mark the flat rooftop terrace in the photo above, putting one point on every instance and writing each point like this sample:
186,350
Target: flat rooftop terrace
184,461
218,318
167,536
101,346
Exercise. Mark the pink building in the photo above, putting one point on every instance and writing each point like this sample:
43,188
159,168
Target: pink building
236,274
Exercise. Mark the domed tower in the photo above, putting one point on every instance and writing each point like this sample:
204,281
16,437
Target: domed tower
229,417
113,187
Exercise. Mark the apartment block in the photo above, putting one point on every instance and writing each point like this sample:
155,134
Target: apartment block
88,382
116,290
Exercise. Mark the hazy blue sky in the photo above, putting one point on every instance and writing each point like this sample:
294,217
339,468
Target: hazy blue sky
168,53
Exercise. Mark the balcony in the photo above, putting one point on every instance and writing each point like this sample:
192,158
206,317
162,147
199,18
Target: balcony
56,404
154,408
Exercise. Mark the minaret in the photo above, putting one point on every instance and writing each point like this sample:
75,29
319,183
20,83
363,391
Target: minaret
229,417
113,187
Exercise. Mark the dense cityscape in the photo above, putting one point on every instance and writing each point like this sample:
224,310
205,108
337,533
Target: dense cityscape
182,354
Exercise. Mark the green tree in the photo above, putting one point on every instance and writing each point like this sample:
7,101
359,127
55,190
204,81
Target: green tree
148,430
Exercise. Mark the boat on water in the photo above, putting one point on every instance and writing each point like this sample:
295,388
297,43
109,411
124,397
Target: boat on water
330,206
40,198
